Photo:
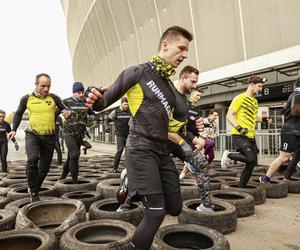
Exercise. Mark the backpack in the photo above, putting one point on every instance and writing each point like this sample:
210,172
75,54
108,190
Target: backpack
295,105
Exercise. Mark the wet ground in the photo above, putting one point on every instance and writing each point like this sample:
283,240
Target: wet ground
275,224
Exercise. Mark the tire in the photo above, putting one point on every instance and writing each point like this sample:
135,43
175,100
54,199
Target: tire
275,189
66,185
224,172
54,215
189,236
94,176
243,202
106,209
86,197
215,184
293,184
20,191
7,220
28,239
189,189
3,191
257,191
223,219
228,178
16,205
3,201
98,235
108,188
14,179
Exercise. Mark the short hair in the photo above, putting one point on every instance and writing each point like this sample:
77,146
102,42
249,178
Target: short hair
297,83
37,77
188,70
255,79
173,32
2,112
124,99
212,111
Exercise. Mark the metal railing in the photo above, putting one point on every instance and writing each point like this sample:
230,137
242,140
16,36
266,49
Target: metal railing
268,141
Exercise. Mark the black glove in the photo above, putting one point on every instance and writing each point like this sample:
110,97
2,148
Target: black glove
88,90
188,151
242,131
16,146
107,130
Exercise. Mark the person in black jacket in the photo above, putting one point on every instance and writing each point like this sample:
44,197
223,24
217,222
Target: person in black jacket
57,146
4,129
43,107
290,136
121,117
74,130
152,175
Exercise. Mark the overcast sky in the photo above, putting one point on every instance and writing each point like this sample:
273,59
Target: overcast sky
33,40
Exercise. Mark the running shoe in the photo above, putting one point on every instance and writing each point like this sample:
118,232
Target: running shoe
225,161
202,208
264,179
191,167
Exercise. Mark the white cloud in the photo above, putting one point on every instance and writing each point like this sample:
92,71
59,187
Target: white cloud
33,40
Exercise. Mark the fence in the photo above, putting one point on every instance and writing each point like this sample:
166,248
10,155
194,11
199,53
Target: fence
268,141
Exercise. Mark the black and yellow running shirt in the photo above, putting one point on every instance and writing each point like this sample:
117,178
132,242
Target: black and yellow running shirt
246,108
41,112
179,115
151,99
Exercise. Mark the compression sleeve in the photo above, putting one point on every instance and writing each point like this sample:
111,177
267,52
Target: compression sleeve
19,113
127,79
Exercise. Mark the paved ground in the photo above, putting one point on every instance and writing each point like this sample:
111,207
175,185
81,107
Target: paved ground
275,224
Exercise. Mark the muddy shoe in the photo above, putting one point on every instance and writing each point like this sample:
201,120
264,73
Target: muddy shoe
34,197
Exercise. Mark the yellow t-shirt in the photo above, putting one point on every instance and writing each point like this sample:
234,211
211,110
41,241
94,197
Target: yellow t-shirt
246,108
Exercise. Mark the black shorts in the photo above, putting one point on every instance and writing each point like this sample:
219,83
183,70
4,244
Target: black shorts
150,172
290,143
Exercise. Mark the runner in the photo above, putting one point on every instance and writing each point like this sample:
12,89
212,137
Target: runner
242,115
40,133
4,130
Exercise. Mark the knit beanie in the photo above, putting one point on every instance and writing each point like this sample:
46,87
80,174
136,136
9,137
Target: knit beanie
77,86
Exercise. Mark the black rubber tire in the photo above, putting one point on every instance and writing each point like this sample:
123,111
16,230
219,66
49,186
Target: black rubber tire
3,191
19,191
223,219
228,178
66,185
3,201
189,189
257,191
14,179
293,184
18,204
106,209
243,202
7,220
275,189
189,236
98,235
50,215
86,197
215,183
108,188
224,172
28,239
